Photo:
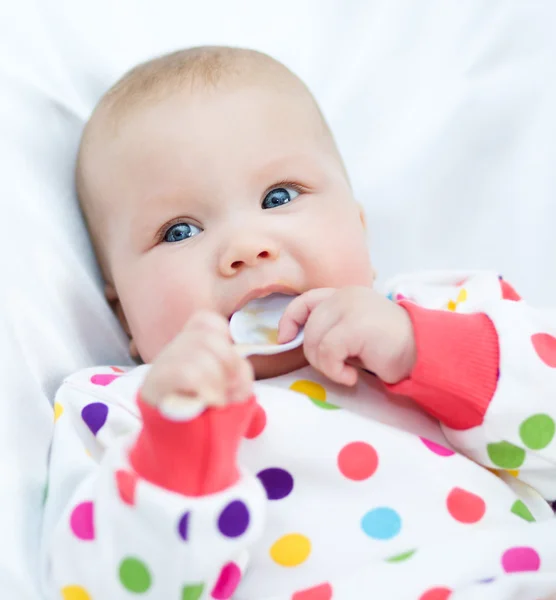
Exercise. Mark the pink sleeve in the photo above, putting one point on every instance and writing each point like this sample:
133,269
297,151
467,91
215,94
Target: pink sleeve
456,372
195,457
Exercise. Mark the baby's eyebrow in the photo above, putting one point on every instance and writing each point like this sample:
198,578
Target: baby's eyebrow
291,166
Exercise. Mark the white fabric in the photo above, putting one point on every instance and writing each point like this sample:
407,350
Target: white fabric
443,111
355,481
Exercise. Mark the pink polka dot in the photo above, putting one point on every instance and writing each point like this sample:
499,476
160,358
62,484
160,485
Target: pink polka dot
520,559
227,583
81,521
464,506
103,378
437,448
357,461
319,592
258,423
545,347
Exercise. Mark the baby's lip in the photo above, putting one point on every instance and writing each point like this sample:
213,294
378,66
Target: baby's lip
262,292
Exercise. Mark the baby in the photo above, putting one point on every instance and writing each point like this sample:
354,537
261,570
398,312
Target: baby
405,450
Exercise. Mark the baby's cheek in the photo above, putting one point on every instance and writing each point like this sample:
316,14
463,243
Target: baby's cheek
159,306
348,260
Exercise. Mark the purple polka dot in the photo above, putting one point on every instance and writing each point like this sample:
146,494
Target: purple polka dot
94,416
278,483
183,525
234,519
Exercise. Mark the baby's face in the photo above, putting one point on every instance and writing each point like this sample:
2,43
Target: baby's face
212,198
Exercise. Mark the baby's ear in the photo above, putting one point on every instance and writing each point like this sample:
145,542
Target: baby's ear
362,216
114,301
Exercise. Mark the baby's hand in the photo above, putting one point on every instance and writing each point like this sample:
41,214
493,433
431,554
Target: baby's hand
200,363
352,324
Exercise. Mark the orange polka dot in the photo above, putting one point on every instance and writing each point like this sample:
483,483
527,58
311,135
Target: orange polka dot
127,486
357,461
508,292
464,506
258,423
437,593
545,346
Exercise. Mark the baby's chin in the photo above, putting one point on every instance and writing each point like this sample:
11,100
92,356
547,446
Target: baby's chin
278,364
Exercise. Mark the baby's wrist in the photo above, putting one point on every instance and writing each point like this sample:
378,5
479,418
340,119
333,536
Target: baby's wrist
404,357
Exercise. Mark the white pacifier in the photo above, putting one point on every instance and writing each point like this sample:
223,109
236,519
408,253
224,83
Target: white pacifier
254,328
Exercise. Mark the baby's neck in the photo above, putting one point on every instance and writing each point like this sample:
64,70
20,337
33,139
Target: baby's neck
278,364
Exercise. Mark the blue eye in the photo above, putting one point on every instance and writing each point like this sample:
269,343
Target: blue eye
180,232
279,197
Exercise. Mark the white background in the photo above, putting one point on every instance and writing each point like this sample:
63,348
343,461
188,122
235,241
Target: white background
444,112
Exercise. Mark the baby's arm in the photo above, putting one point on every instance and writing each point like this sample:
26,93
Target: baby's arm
160,507
486,368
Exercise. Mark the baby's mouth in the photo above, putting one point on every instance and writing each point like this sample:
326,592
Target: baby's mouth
263,292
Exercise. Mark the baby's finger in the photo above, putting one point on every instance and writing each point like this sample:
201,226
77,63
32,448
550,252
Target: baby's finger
205,379
336,346
298,311
321,321
222,349
206,320
241,386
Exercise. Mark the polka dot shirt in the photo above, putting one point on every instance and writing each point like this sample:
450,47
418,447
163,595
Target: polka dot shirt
323,492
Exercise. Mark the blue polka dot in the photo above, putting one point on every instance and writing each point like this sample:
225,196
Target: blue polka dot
381,523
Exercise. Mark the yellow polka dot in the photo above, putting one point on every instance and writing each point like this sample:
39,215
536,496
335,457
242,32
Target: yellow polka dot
291,550
498,472
462,296
58,410
309,388
452,305
75,592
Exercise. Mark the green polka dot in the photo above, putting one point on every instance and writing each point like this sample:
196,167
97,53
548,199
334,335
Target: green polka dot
325,405
192,592
401,557
537,431
134,575
506,455
519,509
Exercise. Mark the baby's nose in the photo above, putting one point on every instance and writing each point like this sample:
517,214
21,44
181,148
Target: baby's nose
245,253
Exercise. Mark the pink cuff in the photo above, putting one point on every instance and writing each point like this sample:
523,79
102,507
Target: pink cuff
193,458
456,373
